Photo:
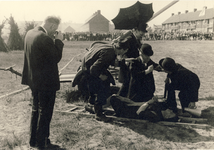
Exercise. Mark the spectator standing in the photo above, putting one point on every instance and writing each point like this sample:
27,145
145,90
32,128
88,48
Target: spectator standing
41,55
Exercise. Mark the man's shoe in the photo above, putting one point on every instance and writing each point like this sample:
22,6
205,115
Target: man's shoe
47,142
89,108
33,147
49,145
102,117
91,99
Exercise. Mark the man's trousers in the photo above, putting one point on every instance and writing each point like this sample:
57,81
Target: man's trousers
42,111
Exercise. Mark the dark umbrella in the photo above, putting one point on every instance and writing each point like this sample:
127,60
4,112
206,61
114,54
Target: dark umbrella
131,17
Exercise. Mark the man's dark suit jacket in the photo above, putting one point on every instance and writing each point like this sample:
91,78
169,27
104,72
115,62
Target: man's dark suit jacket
41,57
135,45
98,60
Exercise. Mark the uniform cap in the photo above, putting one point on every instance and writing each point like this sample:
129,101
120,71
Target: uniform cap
168,64
146,49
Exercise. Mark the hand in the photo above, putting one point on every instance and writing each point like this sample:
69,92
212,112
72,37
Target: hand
130,60
59,36
103,77
159,68
150,69
192,105
142,108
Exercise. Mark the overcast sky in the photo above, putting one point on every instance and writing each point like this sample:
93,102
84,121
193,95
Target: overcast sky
79,11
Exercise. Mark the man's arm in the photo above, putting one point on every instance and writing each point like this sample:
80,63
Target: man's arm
51,51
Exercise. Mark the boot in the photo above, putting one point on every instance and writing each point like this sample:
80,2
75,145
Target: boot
99,114
91,99
89,108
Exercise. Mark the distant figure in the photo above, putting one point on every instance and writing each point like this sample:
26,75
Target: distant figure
94,65
183,80
135,40
41,57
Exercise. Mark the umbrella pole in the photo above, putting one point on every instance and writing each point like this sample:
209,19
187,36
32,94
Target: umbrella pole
163,9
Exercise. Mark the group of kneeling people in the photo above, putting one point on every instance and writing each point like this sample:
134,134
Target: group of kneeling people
135,98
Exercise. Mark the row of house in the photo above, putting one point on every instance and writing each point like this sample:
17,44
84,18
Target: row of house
197,20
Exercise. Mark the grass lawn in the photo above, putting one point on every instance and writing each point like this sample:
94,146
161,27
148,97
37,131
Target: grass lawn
84,132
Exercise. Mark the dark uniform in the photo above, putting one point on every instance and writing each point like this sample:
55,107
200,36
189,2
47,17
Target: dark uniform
124,73
182,80
95,63
142,86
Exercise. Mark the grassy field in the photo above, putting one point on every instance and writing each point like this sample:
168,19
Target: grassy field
194,55
82,132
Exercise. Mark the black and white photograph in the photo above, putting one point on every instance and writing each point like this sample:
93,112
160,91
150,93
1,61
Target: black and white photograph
107,75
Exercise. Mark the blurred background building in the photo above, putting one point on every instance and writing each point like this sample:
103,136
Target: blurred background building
199,21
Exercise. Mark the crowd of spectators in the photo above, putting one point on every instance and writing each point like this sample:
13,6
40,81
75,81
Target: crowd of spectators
190,35
161,35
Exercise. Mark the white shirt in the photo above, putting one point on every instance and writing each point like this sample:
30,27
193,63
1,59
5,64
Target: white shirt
44,29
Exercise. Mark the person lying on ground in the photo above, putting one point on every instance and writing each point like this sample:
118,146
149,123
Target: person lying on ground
153,110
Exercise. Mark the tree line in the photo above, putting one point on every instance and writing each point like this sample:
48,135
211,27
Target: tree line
15,40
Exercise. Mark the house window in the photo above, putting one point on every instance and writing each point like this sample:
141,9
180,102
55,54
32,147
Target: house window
198,22
207,21
192,22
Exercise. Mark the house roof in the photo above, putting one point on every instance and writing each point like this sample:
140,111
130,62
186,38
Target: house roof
157,26
69,29
191,16
98,13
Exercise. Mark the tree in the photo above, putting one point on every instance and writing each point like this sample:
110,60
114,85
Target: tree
29,26
3,46
15,41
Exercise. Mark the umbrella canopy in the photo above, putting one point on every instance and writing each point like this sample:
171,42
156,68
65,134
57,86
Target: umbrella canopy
131,17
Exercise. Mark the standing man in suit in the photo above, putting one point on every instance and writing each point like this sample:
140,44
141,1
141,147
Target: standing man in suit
42,54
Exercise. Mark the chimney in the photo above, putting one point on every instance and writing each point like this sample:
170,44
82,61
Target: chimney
179,13
186,11
172,14
98,12
195,10
205,7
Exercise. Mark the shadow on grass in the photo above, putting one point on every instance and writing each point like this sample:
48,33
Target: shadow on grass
157,131
166,133
184,134
209,115
74,95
